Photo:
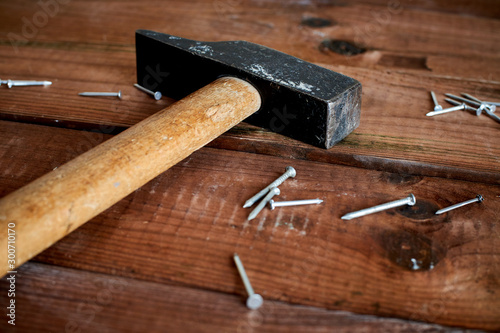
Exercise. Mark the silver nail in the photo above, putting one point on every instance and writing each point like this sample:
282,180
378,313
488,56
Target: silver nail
437,107
492,103
24,83
410,200
471,97
467,107
102,94
273,204
290,172
254,301
155,94
455,108
480,101
488,107
478,198
272,192
464,100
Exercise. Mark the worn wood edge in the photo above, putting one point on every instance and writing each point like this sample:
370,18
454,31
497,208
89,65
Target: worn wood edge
259,141
297,150
81,301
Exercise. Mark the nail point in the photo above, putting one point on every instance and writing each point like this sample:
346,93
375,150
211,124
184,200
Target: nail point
413,200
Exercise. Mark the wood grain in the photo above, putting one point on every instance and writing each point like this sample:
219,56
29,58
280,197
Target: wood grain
77,301
394,134
175,235
183,227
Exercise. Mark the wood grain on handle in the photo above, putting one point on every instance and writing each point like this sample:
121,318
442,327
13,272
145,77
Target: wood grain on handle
52,206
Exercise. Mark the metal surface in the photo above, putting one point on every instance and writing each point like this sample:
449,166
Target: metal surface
410,200
289,172
299,99
478,198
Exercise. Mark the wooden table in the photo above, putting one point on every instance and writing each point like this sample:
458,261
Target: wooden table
161,259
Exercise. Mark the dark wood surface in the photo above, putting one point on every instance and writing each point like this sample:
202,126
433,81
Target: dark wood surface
160,260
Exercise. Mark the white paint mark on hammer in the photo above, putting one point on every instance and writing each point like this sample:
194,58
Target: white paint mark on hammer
202,49
260,70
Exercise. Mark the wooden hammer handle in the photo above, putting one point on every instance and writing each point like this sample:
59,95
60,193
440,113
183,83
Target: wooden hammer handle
52,206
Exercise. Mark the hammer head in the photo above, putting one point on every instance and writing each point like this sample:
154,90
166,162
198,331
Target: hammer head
299,99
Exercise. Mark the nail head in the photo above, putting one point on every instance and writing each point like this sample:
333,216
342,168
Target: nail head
254,301
291,171
271,204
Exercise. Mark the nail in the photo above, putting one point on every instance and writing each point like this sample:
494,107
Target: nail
410,200
492,103
102,94
467,107
455,108
23,83
437,107
480,101
464,100
254,301
290,172
488,107
478,198
155,94
471,97
272,192
275,204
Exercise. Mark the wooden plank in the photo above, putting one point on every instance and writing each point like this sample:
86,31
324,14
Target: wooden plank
387,25
79,301
395,75
385,30
183,227
393,123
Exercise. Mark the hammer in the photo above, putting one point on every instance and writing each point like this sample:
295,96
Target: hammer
218,85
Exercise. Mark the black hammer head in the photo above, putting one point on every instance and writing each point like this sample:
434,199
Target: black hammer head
299,99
